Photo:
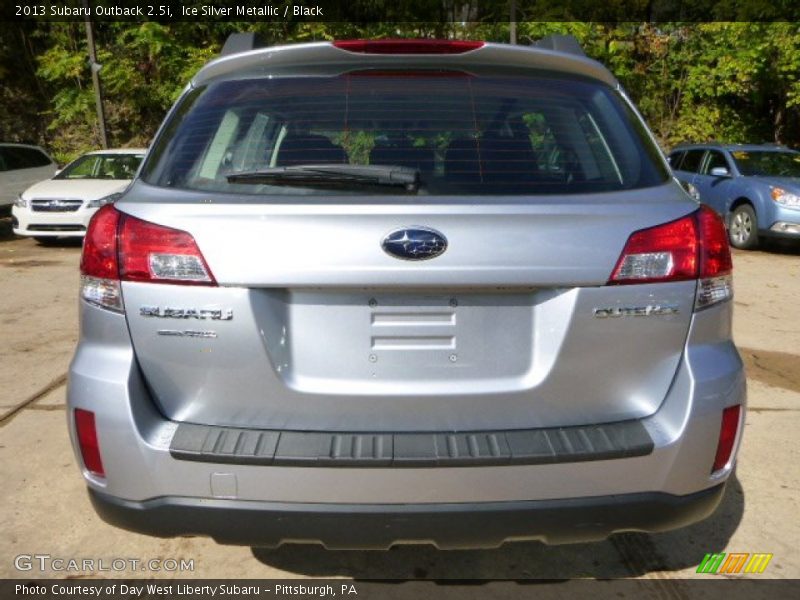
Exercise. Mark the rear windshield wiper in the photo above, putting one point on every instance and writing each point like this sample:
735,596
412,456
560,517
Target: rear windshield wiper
333,175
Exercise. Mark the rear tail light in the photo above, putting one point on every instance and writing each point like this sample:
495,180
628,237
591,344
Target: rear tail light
727,437
150,252
408,46
663,253
99,265
693,247
119,247
87,442
716,282
99,257
715,253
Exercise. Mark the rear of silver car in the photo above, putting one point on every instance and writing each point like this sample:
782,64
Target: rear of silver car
369,294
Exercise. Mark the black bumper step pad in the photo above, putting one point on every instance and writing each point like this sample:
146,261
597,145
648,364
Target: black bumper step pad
208,443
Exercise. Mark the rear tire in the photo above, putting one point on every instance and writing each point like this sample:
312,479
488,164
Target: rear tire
743,230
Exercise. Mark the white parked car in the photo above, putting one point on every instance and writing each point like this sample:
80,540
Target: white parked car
21,166
63,205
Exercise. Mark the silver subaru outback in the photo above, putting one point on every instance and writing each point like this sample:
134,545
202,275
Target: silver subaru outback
374,292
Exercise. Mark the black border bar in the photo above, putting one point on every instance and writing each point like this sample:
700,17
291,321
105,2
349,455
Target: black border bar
402,11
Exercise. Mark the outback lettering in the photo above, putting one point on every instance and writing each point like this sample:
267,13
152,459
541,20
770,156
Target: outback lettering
637,311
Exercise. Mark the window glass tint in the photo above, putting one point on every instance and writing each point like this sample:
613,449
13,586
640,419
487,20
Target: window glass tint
34,157
715,159
775,164
691,162
463,133
102,166
17,157
11,159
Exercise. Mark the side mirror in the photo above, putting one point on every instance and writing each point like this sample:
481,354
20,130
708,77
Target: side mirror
720,172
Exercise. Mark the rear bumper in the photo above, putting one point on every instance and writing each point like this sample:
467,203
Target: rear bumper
378,526
150,489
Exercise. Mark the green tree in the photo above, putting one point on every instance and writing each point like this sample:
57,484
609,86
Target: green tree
731,81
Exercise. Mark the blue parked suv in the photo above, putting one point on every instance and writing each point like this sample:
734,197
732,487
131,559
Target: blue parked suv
756,188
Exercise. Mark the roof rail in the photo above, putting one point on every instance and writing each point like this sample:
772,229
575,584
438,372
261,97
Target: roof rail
242,42
561,43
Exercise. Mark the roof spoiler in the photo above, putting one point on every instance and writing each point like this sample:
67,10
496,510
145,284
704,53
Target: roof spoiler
560,43
242,42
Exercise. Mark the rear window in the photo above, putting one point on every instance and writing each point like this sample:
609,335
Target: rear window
464,134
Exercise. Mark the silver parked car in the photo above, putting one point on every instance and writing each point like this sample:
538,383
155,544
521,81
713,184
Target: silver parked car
363,293
21,166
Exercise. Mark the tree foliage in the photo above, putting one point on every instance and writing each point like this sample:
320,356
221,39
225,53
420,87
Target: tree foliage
730,81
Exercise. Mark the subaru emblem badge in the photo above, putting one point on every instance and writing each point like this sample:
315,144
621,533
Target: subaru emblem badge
414,243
